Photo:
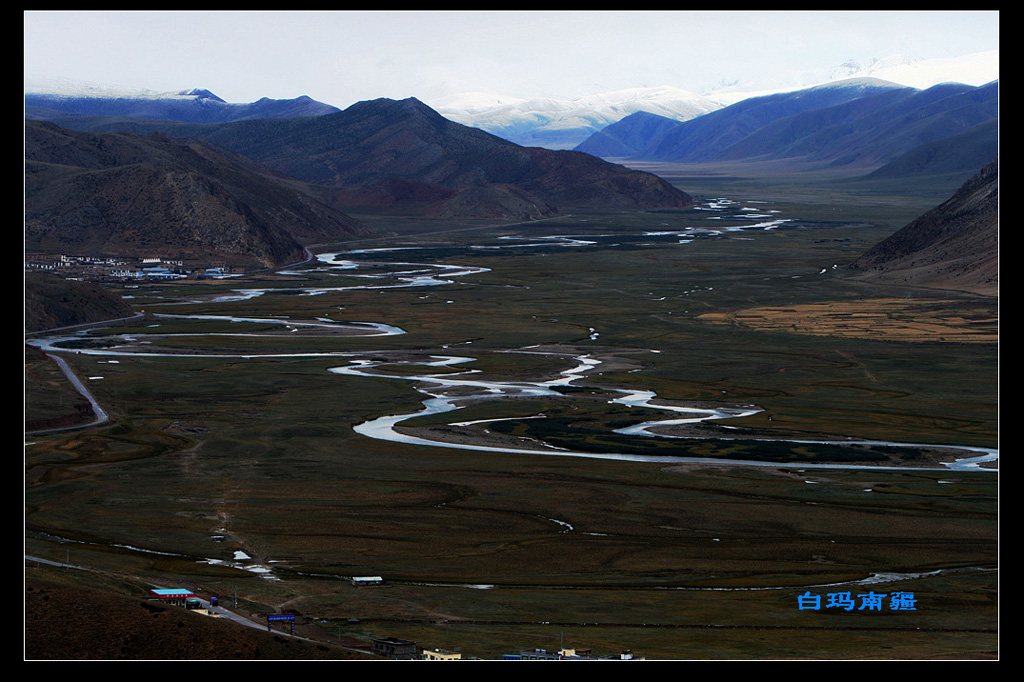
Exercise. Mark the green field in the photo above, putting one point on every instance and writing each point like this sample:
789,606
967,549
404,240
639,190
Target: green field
230,436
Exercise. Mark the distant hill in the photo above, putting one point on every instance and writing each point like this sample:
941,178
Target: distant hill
402,153
719,134
953,246
52,302
861,123
191,106
628,136
132,195
970,149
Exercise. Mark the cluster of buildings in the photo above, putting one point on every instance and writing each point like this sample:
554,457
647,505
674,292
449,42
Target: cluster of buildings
565,655
119,269
395,648
403,649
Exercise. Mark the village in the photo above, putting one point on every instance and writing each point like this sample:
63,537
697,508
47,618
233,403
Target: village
393,648
126,270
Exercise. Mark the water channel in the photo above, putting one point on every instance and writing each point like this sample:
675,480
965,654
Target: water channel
448,392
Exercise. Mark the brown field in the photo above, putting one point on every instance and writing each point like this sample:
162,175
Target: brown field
888,319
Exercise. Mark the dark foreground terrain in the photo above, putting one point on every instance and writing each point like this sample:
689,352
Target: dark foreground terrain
71,616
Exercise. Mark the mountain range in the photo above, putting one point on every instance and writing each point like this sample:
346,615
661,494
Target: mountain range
560,123
551,122
255,185
859,123
190,106
402,155
563,124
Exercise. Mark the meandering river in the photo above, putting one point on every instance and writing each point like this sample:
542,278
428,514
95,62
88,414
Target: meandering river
449,391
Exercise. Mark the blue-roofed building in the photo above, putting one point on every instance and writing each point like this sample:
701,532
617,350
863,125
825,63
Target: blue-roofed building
174,595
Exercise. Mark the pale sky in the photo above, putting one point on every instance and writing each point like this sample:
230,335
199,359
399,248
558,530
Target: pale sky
344,57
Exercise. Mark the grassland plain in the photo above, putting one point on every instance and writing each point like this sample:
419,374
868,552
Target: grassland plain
213,449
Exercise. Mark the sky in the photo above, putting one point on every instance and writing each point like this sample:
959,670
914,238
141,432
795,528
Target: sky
343,57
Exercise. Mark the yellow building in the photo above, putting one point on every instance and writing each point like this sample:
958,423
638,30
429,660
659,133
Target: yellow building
440,655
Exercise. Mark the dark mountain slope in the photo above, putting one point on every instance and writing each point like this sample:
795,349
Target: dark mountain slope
374,142
373,149
151,195
953,246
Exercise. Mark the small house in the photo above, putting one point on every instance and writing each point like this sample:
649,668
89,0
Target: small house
395,648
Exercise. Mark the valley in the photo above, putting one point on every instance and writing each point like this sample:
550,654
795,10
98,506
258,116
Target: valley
618,429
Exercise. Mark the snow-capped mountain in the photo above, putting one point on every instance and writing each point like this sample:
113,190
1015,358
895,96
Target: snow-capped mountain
558,124
563,123
974,69
47,97
551,122
68,87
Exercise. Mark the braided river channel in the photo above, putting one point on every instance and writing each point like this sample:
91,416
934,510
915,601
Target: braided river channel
447,389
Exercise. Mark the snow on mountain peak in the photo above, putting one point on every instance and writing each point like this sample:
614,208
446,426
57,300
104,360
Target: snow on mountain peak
554,122
560,123
199,93
972,69
69,87
473,102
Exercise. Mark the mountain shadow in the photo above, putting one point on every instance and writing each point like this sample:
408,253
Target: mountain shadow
131,195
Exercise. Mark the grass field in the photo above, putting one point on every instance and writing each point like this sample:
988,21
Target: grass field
214,446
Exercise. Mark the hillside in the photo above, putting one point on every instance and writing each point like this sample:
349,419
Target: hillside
52,302
953,246
132,195
403,154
